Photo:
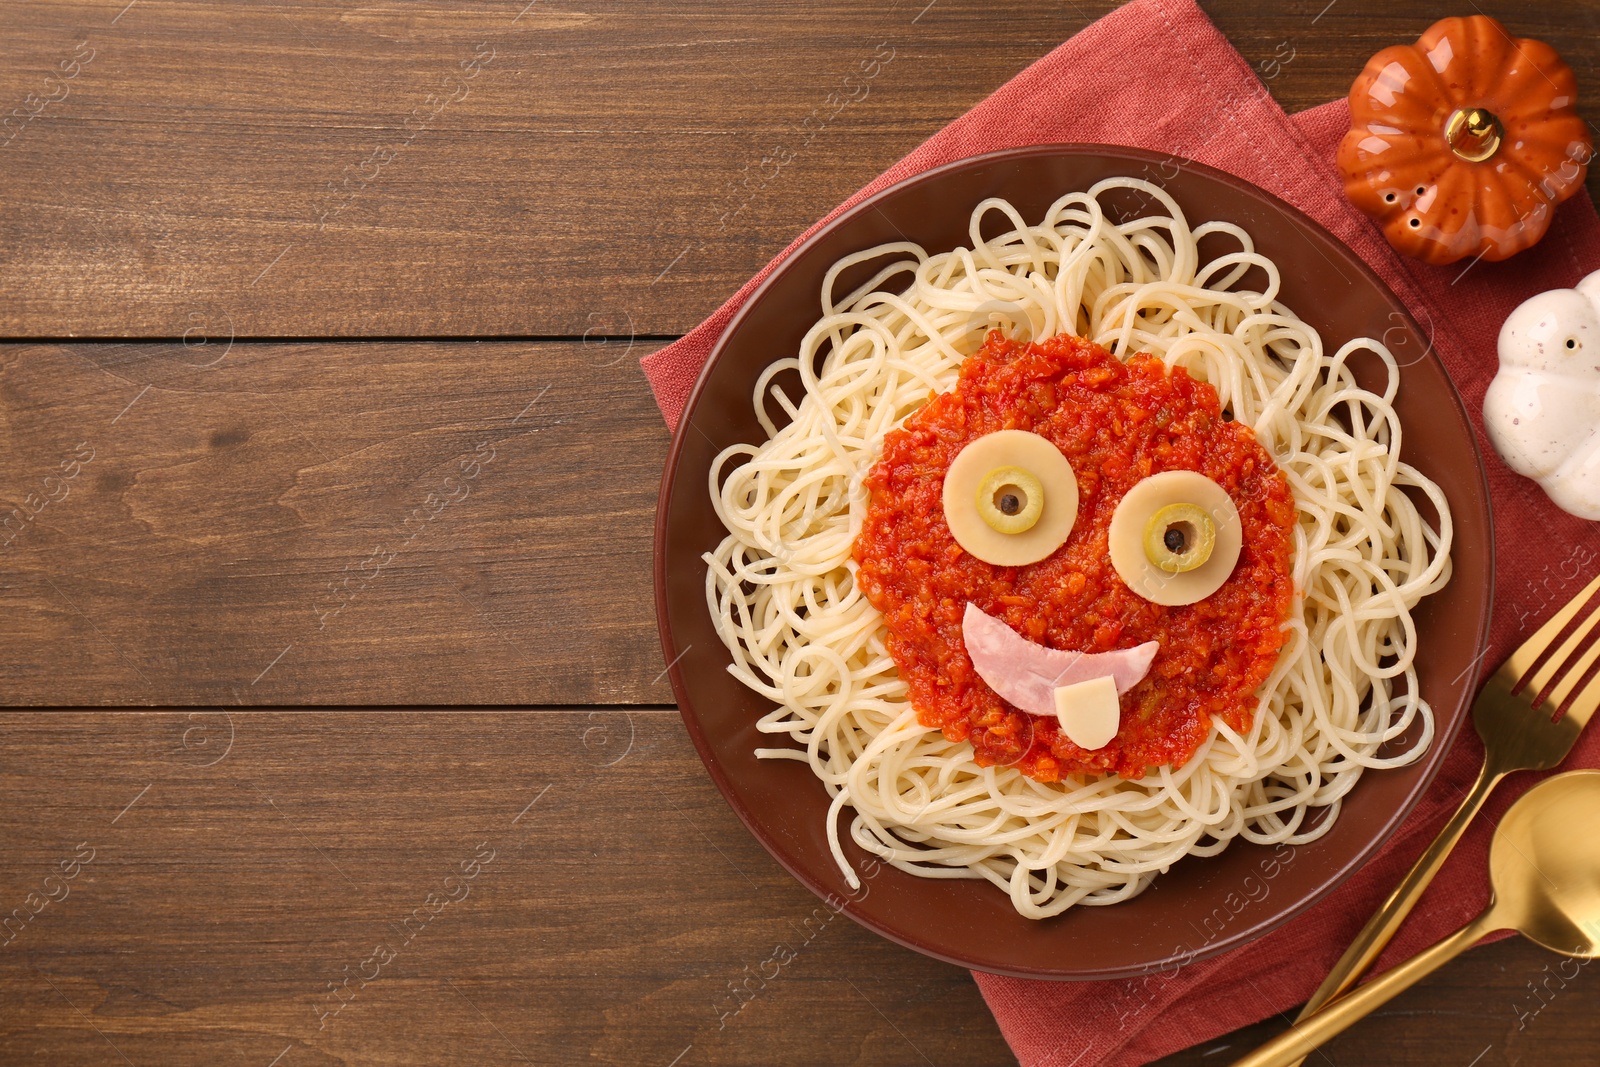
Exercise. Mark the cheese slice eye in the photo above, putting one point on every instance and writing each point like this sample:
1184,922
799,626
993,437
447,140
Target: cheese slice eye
1010,498
1175,537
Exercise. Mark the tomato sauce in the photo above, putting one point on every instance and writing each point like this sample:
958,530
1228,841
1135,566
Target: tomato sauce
1117,423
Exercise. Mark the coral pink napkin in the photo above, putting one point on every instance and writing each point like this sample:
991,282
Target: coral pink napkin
1191,94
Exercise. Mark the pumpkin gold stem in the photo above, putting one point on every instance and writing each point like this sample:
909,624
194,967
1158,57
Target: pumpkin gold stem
1473,133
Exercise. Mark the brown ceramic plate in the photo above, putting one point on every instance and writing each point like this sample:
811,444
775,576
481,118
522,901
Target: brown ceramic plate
1203,906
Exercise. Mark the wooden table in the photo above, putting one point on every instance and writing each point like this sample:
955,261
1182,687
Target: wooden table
321,401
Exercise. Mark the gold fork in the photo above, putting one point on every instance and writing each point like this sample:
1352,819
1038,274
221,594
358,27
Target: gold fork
1517,736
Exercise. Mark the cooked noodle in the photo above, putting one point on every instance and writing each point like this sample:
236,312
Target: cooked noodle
781,584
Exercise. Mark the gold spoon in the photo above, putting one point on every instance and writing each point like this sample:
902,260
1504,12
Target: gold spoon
1544,866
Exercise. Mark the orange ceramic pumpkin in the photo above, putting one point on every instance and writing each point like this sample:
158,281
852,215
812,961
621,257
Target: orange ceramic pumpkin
1463,143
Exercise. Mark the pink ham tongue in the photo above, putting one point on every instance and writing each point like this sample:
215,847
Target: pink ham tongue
1028,675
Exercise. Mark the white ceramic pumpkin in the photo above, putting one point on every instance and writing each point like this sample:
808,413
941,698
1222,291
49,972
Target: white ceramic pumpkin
1542,411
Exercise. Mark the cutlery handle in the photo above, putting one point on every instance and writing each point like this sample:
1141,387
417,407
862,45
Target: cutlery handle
1380,929
1303,1037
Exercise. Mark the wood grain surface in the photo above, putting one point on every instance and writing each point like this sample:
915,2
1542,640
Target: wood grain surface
391,523
320,393
310,170
204,886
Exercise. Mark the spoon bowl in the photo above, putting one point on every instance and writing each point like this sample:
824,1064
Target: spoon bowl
1544,865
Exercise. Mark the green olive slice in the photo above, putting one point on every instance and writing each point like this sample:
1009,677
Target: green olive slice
1179,537
1010,500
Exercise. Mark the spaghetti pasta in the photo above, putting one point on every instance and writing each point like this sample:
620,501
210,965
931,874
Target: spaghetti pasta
781,586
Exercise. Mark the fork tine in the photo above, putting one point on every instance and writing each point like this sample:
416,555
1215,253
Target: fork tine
1528,653
1583,706
1557,662
1580,710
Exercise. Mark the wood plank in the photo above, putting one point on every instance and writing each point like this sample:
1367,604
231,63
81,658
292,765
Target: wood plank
620,897
588,149
614,168
243,862
328,523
